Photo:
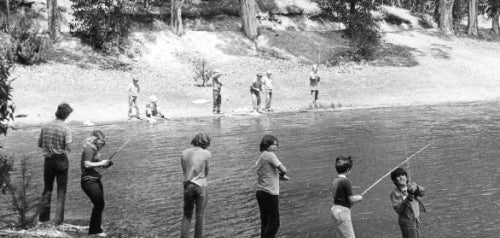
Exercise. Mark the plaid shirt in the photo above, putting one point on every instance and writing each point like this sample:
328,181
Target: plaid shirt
54,136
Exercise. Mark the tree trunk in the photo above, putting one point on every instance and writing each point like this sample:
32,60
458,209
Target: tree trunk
352,9
457,11
7,25
494,16
52,19
176,17
248,20
445,16
472,22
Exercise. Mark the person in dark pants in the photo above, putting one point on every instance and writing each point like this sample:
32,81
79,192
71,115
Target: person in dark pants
55,140
91,178
269,170
195,163
217,86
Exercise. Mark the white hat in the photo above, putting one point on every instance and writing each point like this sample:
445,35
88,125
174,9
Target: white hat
153,98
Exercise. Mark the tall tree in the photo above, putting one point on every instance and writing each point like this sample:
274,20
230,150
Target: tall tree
248,20
176,17
7,5
495,13
445,16
472,20
52,19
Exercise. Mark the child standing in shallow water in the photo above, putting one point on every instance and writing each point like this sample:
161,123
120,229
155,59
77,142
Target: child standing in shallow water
269,171
343,199
406,204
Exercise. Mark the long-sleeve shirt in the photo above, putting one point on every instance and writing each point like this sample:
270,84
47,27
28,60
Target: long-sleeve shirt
408,206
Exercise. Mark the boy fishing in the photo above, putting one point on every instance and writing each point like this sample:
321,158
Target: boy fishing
343,199
405,202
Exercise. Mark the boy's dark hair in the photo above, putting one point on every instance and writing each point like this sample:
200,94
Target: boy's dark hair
398,172
267,141
63,111
201,140
98,133
343,164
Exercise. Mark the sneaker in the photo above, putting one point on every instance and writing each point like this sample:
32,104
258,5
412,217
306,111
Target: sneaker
102,234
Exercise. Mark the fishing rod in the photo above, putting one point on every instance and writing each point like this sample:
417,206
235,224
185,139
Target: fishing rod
390,171
119,149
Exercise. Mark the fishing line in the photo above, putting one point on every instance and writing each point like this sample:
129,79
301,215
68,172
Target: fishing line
385,175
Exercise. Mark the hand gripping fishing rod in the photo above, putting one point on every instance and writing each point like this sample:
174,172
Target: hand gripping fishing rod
407,159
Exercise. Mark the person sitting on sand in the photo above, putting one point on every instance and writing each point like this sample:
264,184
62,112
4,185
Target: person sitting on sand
152,111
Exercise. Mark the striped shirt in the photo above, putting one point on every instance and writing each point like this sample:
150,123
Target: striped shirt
53,137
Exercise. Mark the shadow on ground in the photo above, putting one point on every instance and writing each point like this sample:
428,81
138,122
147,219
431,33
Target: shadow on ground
396,55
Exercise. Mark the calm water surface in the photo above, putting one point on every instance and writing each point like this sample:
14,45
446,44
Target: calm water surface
460,170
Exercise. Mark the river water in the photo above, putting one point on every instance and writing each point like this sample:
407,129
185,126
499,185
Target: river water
460,170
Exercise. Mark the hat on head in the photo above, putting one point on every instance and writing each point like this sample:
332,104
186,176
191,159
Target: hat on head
216,72
153,98
269,72
135,79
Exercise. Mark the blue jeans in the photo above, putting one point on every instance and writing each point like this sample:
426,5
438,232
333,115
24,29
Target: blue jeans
54,168
194,195
93,189
269,214
217,101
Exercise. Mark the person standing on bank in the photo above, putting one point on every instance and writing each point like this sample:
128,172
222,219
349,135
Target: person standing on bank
255,90
195,163
314,84
343,199
133,92
217,86
269,171
91,178
267,86
406,204
55,140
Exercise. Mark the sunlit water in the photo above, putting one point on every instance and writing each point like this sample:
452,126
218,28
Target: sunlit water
460,170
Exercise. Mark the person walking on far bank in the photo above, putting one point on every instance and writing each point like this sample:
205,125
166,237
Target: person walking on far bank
217,85
343,199
195,163
314,84
269,171
55,140
255,90
91,178
133,92
406,204
267,86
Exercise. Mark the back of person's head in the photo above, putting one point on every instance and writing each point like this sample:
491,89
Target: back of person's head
267,141
343,164
201,140
398,172
98,133
63,111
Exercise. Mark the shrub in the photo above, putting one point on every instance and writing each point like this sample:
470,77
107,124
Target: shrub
100,23
29,46
202,72
7,106
25,205
364,34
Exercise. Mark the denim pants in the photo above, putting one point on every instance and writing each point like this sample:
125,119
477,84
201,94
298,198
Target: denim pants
269,214
93,189
132,103
194,195
342,222
217,100
269,98
55,168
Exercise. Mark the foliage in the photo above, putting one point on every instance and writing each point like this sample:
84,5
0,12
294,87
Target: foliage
361,27
7,106
202,72
28,45
25,206
100,23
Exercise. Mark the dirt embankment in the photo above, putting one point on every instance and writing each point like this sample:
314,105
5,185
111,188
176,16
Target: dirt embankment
416,66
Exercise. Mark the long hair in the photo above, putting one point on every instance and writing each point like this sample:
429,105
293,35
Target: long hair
343,164
201,140
267,141
63,111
